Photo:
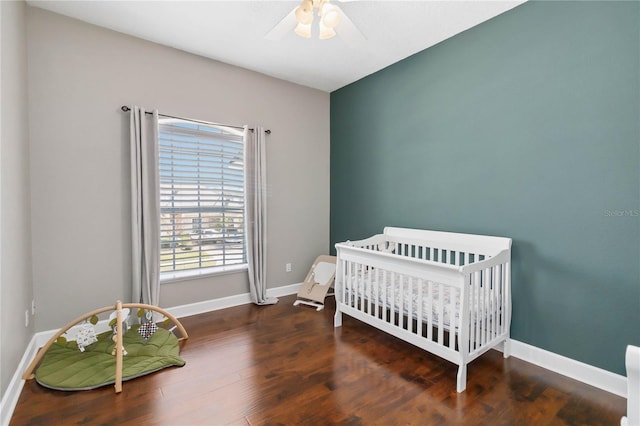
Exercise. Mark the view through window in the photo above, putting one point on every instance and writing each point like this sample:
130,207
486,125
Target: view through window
201,170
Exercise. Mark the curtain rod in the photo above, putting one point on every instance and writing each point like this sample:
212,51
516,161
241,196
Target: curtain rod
127,109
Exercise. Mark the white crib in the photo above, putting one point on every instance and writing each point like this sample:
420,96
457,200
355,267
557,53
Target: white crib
447,293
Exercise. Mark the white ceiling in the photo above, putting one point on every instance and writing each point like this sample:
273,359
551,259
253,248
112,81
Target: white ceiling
233,32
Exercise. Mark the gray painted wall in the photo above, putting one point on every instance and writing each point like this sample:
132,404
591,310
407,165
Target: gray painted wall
79,76
16,288
526,126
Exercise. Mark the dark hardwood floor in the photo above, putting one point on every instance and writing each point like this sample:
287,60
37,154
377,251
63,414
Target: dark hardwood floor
285,365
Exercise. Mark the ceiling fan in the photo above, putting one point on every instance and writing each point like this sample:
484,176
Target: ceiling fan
332,20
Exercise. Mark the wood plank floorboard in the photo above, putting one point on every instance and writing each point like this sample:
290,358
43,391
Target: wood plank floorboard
286,365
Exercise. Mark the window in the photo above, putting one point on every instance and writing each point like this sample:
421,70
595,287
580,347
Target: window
201,171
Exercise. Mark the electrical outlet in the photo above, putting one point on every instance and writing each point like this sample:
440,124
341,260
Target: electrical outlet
26,318
287,267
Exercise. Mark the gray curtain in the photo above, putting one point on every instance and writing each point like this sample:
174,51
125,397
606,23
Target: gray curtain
145,207
255,206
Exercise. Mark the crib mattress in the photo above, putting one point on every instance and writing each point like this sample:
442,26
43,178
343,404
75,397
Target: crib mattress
397,293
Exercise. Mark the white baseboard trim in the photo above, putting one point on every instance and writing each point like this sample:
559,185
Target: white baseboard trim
228,302
11,396
594,376
209,305
284,290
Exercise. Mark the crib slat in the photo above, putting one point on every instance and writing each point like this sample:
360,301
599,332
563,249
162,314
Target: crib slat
400,300
497,276
407,302
473,307
392,299
359,290
482,308
502,306
343,280
441,313
482,313
352,271
356,290
469,324
369,291
349,286
453,293
494,300
384,295
356,285
430,310
501,301
377,291
345,274
490,304
420,305
365,296
410,312
353,286
485,319
477,319
470,310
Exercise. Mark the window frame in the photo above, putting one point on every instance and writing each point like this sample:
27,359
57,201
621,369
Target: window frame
204,177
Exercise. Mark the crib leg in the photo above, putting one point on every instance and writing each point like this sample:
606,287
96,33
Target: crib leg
337,319
506,348
462,378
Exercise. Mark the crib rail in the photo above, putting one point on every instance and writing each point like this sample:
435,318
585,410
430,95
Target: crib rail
435,251
448,301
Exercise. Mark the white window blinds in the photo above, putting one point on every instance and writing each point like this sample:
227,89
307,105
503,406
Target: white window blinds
201,171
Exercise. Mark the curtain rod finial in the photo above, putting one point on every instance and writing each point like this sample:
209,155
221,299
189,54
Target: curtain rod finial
125,108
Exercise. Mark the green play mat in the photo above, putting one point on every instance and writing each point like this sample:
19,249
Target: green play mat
64,367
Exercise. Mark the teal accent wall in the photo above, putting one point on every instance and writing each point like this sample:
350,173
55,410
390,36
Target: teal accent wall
526,126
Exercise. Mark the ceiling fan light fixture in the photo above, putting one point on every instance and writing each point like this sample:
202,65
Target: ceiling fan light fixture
330,15
304,12
326,32
329,18
303,30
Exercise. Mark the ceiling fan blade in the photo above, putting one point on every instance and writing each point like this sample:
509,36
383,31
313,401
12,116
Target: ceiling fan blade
348,31
282,28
